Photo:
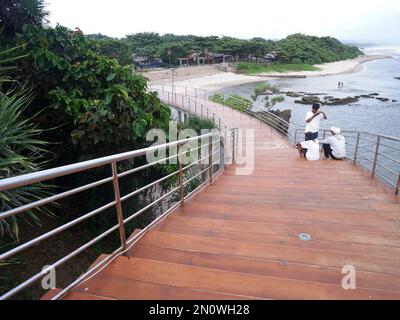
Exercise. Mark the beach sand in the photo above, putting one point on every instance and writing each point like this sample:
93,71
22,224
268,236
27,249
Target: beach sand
215,77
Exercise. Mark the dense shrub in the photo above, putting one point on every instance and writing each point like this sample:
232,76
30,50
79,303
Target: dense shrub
99,106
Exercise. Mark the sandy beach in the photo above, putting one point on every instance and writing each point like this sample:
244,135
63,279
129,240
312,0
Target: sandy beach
215,77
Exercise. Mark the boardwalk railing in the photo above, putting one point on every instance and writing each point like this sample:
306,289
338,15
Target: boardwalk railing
378,154
209,162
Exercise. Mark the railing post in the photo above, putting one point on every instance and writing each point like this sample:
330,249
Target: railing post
397,185
210,154
180,174
376,156
186,91
356,151
118,206
233,146
295,137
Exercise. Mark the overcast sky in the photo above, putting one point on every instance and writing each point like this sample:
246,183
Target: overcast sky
375,21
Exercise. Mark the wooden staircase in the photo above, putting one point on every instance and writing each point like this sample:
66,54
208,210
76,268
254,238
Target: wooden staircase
239,238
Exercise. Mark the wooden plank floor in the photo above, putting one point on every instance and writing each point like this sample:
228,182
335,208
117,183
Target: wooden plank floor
238,239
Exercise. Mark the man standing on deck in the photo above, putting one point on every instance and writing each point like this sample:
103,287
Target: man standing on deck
313,118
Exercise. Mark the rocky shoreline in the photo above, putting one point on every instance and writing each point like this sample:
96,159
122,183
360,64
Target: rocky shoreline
323,99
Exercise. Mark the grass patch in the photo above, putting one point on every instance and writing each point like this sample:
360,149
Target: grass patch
255,68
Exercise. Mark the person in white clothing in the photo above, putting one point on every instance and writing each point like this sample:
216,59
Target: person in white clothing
313,119
335,145
309,150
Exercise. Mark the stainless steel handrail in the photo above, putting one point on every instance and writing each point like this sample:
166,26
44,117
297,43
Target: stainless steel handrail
45,175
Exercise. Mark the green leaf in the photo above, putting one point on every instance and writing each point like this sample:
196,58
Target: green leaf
111,77
109,97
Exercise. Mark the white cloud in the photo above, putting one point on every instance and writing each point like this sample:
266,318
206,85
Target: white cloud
270,19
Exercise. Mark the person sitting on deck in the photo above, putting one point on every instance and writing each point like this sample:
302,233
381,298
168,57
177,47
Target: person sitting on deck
313,118
309,150
335,145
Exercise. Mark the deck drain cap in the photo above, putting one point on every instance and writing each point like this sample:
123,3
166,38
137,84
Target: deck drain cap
304,237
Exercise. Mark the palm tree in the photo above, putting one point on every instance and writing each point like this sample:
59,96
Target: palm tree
14,14
21,152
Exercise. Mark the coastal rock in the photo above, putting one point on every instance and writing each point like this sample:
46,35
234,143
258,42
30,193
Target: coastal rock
393,100
293,94
374,94
366,96
310,100
340,101
398,78
383,99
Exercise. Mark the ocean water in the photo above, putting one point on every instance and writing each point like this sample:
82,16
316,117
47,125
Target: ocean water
366,115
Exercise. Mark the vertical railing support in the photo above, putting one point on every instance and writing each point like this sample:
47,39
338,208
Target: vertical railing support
118,205
295,138
185,91
356,151
210,164
396,192
180,174
376,156
233,146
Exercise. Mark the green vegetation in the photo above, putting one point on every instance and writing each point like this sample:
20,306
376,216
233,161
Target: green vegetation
250,68
233,100
83,103
296,49
263,89
271,102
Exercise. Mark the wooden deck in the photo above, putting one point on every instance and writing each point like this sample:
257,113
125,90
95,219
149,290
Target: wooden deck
238,239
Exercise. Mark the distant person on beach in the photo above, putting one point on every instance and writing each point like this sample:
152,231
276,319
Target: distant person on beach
340,85
313,119
335,145
309,150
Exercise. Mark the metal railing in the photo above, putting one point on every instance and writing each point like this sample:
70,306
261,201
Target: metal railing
378,154
207,157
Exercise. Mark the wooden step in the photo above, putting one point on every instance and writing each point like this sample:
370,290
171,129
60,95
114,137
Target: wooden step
122,287
72,295
279,269
250,285
261,213
273,252
367,223
325,245
318,231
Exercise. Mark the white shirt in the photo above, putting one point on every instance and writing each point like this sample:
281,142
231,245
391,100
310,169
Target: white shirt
338,145
313,125
312,147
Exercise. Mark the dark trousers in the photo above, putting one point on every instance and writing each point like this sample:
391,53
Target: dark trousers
311,136
328,151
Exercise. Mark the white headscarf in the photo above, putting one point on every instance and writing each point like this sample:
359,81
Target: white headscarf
336,130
